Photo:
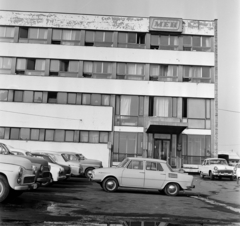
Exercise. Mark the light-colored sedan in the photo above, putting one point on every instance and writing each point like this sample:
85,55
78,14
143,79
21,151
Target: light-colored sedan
143,173
216,167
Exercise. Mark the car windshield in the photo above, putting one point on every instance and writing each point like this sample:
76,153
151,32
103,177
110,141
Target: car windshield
70,157
29,154
218,161
123,163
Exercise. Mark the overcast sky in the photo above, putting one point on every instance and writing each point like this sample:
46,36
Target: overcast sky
226,11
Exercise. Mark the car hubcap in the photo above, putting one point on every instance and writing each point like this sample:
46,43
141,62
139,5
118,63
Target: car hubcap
172,189
111,185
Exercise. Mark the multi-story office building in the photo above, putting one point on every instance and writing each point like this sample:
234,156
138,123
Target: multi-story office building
109,86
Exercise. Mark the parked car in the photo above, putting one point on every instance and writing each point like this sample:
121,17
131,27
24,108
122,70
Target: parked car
42,167
237,171
76,167
87,164
16,176
50,160
144,173
216,167
56,171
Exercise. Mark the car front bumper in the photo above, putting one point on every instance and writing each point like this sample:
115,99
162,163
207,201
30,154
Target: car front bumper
26,187
43,179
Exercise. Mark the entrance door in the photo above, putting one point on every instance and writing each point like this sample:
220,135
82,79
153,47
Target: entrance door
161,149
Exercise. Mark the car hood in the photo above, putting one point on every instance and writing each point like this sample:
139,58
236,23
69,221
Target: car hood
35,160
224,167
16,160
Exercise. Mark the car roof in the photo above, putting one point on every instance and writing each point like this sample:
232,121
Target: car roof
146,159
46,152
215,159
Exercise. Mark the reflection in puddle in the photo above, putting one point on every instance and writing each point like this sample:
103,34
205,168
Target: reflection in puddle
217,203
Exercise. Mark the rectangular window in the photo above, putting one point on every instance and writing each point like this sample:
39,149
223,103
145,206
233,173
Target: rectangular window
3,95
162,107
86,99
103,137
105,100
33,35
52,97
130,71
49,135
30,66
84,136
87,69
164,42
14,133
167,73
38,97
34,134
61,98
96,99
18,96
69,136
59,135
102,70
99,38
71,98
196,108
28,96
93,137
196,74
2,132
5,65
197,43
24,134
6,34
131,40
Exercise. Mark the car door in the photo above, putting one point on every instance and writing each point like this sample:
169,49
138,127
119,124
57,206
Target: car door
154,175
133,174
202,167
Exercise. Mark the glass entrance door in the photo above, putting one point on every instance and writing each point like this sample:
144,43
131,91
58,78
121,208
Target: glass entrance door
161,149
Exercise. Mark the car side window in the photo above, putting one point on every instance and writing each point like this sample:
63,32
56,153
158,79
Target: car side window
153,166
134,164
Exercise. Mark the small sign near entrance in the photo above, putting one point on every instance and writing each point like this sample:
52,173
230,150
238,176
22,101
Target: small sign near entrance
166,24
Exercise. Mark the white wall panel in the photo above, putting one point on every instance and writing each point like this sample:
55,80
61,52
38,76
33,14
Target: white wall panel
107,86
91,151
107,54
55,116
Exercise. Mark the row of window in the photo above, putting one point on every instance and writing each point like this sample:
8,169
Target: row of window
106,38
89,69
54,97
57,135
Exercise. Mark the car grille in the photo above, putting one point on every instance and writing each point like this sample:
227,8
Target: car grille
225,171
68,171
28,180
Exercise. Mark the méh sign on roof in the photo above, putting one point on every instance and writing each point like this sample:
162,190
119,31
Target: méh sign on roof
165,24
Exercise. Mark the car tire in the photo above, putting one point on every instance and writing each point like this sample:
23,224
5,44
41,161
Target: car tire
4,188
211,176
172,189
110,184
87,172
201,175
48,183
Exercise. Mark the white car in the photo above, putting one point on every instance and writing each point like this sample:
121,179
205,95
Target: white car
143,173
237,171
16,176
216,167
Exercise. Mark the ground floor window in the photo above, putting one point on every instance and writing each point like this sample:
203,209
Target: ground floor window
127,144
195,148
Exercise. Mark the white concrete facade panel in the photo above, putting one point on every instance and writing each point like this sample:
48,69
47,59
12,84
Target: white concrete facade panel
90,151
95,22
56,116
107,54
128,129
107,86
197,131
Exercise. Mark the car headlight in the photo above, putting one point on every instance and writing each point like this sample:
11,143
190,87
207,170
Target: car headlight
41,168
34,169
215,168
20,173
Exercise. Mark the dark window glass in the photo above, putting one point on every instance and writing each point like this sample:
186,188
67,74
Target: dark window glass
196,41
52,97
69,136
83,136
72,98
59,135
132,38
28,96
95,99
18,96
136,165
23,32
34,134
14,133
62,98
49,135
186,40
24,134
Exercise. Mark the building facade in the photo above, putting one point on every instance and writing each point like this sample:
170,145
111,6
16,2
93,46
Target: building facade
109,86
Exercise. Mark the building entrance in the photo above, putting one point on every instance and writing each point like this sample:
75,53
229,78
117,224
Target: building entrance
161,149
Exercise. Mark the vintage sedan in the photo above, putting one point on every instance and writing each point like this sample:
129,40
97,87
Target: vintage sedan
216,167
87,164
16,176
144,173
42,167
76,167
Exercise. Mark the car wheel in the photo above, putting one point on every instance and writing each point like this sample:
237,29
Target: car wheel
4,188
171,189
201,174
48,183
88,172
110,184
211,176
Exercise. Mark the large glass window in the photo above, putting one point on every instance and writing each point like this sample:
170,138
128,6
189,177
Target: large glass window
197,74
197,43
99,38
65,68
30,66
127,145
6,34
3,95
196,108
33,35
97,69
5,65
167,73
131,40
164,42
66,37
130,71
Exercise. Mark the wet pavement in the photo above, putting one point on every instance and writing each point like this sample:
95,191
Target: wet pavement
80,202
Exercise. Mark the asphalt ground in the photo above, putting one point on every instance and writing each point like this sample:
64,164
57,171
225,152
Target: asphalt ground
79,201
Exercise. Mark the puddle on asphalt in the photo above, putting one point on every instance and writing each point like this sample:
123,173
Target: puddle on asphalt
237,210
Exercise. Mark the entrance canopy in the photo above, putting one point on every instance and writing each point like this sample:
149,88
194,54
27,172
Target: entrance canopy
166,127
